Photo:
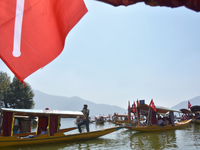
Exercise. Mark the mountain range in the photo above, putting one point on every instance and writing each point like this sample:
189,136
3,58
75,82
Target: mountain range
76,103
184,104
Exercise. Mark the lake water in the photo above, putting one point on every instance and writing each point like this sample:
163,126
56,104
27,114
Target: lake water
185,138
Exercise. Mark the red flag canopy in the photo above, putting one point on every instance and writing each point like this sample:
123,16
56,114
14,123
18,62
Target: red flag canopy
191,4
152,105
33,32
189,105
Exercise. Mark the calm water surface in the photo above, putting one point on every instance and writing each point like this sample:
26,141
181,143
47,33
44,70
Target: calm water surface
186,138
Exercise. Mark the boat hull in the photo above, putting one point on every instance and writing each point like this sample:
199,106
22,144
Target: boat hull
58,137
160,128
120,122
100,122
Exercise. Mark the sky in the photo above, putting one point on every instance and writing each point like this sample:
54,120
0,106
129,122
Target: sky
120,54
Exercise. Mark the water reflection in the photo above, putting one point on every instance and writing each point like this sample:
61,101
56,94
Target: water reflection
99,126
196,134
153,140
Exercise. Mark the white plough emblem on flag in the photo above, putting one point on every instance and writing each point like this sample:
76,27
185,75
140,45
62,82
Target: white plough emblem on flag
18,28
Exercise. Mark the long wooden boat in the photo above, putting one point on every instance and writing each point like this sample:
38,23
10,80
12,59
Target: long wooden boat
49,119
58,137
151,123
196,110
160,128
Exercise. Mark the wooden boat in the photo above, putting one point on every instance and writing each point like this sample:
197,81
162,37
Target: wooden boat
160,128
46,118
196,110
99,120
120,119
151,123
186,114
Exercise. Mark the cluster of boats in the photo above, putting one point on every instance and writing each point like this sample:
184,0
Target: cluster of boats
144,119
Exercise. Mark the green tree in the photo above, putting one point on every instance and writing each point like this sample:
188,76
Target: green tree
4,87
20,97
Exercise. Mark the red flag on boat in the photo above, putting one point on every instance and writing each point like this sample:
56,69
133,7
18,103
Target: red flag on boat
134,107
129,105
152,105
138,103
33,32
189,105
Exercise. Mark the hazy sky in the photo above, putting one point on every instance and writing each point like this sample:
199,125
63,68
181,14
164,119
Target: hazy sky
116,54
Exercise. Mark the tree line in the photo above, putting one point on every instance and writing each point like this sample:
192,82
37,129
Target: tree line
13,94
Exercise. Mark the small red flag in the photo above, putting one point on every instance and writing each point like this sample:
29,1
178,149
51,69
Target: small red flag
134,107
129,105
138,103
189,105
152,105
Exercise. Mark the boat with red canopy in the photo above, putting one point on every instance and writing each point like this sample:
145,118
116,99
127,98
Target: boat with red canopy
151,119
48,120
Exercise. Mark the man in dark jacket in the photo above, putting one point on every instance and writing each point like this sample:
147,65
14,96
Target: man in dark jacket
86,120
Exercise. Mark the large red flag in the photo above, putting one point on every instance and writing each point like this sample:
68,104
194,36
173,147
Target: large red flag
134,107
189,105
152,105
33,32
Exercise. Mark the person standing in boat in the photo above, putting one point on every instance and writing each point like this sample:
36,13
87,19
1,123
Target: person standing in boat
86,120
